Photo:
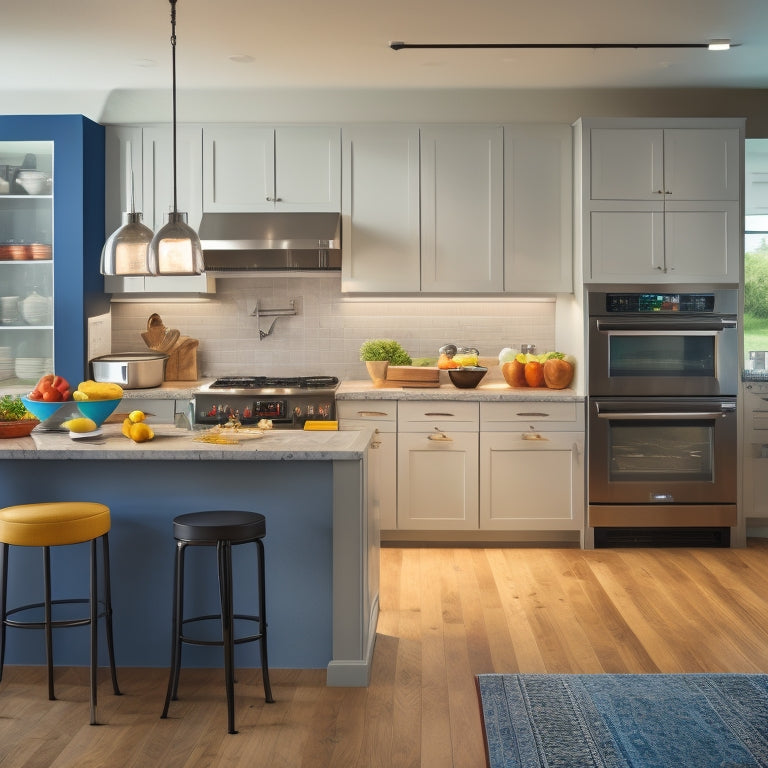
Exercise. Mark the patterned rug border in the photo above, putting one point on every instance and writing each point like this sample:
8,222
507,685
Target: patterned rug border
700,720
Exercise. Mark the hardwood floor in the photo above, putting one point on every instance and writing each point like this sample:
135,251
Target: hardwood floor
446,615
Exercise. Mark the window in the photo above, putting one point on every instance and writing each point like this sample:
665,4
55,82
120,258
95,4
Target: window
755,251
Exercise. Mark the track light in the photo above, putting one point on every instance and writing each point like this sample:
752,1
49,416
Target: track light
712,45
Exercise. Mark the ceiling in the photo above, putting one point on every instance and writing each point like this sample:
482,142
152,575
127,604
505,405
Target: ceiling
95,45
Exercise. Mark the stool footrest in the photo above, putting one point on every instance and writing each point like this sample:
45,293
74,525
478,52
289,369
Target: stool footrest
217,616
55,623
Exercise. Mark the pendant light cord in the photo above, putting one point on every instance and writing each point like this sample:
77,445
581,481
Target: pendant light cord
173,70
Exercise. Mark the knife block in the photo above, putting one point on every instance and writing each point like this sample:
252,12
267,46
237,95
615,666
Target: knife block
182,361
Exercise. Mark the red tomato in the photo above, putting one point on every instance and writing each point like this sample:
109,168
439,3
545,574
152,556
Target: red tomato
45,383
60,383
52,395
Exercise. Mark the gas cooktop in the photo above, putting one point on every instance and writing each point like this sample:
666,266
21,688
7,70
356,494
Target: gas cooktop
273,384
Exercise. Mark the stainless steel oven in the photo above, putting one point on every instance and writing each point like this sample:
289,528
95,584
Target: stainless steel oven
662,427
665,344
288,402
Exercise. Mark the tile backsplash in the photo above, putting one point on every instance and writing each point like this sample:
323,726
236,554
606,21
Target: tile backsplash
325,335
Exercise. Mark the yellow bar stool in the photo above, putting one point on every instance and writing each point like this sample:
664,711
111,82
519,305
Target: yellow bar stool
53,524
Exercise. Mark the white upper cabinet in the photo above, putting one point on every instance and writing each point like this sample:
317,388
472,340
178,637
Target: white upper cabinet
462,209
380,209
538,209
669,164
256,168
661,203
158,174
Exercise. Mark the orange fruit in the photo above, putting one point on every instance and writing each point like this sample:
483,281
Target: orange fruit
141,432
534,374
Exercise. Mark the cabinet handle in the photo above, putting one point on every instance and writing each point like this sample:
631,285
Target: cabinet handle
441,437
274,199
667,192
532,414
437,413
534,436
371,413
659,192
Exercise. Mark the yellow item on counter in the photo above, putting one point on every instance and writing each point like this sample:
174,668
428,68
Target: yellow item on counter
99,390
320,425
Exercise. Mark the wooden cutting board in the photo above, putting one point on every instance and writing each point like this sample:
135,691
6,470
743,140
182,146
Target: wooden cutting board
415,374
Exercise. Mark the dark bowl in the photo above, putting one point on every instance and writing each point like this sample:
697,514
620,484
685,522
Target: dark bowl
468,377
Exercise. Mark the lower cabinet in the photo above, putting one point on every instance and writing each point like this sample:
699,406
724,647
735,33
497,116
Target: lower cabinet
382,456
531,466
437,454
469,466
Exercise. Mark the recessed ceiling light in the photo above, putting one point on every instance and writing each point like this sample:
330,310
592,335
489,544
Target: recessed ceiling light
241,58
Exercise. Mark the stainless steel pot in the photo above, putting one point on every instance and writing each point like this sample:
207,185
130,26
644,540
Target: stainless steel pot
132,370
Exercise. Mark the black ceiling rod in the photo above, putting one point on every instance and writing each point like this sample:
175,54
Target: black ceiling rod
397,45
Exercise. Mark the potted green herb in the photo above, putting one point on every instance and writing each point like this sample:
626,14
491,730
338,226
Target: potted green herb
15,419
379,354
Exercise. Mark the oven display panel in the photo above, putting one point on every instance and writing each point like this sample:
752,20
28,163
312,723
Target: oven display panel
659,302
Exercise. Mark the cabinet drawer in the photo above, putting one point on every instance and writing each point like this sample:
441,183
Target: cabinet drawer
501,417
425,416
367,410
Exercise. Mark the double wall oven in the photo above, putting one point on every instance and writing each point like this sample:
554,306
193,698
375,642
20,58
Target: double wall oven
663,379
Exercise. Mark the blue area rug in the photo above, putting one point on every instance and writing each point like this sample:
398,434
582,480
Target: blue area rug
625,721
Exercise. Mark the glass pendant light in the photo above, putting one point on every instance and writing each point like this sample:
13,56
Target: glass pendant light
126,251
175,249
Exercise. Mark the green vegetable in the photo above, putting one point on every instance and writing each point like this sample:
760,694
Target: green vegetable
12,409
384,349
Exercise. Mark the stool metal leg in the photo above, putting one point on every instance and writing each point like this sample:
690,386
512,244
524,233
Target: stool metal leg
224,558
48,627
94,606
176,627
263,624
108,611
3,602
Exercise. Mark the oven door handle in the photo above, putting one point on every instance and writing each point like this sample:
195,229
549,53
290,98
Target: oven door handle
709,325
662,416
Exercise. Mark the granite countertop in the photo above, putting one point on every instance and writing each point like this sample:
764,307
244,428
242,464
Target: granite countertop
493,391
175,444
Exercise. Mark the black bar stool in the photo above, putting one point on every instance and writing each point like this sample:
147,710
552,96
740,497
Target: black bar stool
49,525
221,529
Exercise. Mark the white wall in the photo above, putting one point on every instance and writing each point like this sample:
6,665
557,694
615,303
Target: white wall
477,105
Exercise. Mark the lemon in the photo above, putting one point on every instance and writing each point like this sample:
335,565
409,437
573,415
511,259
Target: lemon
141,432
81,424
136,416
78,395
127,424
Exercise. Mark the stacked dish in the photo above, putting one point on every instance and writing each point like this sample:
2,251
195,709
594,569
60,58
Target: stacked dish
21,252
6,363
31,368
9,310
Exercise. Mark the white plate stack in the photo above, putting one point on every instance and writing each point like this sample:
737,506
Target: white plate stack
6,363
31,368
9,310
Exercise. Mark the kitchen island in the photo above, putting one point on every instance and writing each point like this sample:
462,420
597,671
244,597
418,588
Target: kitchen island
321,545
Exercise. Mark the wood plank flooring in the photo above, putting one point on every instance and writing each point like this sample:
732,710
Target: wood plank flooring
446,615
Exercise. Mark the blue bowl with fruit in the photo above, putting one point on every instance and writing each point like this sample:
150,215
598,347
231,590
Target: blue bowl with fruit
97,410
42,409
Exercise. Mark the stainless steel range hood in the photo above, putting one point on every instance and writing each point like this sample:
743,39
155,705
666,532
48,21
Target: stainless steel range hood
237,243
